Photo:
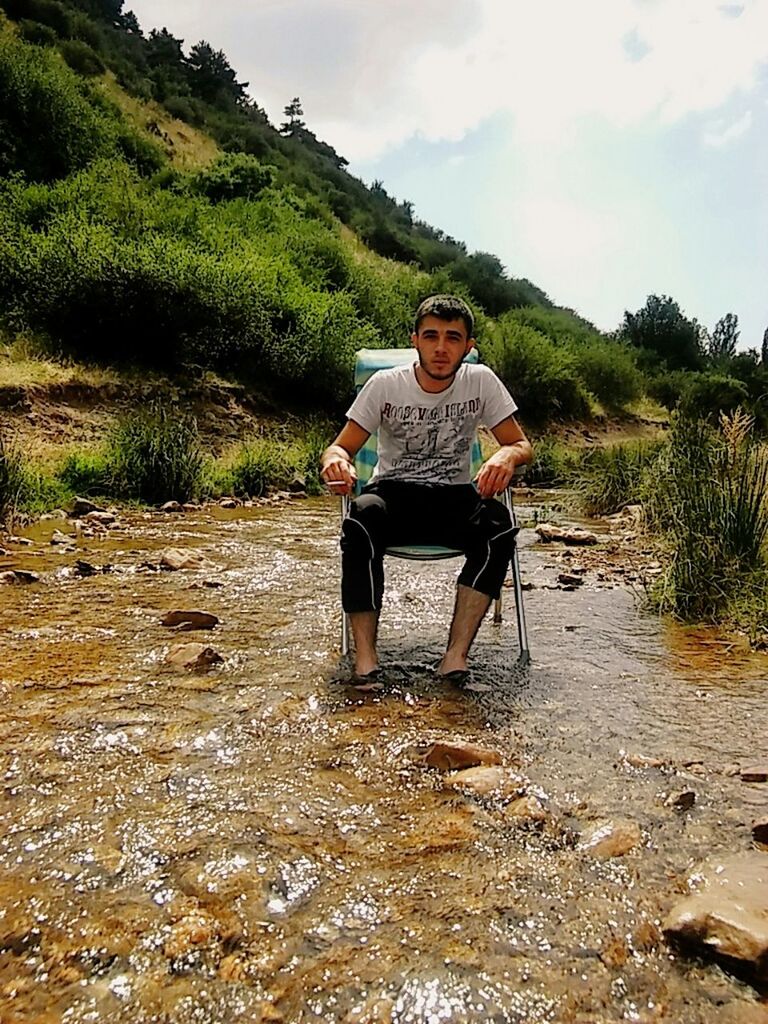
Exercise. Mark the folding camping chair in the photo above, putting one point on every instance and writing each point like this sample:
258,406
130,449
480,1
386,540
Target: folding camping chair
367,362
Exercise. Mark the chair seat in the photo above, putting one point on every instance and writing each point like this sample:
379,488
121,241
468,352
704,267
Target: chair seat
423,552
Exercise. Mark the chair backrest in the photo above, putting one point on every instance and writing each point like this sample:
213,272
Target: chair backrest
367,362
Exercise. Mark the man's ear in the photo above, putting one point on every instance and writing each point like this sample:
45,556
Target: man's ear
470,346
414,338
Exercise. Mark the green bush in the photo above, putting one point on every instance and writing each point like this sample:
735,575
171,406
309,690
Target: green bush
85,473
615,476
36,33
541,375
555,463
609,372
667,387
81,57
261,464
706,395
710,502
233,176
154,456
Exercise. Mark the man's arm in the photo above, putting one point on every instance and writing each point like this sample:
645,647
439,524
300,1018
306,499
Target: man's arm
497,471
337,461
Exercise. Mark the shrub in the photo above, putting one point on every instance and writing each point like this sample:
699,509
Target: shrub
81,57
260,464
37,33
609,372
710,501
612,477
85,473
667,387
154,456
707,395
233,176
555,464
541,375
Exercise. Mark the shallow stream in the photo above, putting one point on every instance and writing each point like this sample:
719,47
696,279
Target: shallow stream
259,842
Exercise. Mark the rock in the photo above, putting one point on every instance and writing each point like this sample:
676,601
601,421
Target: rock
526,808
682,801
487,781
24,541
82,506
229,503
171,506
190,506
298,485
4,552
611,839
641,761
192,656
19,576
572,535
754,773
100,517
569,579
760,831
83,568
189,620
57,537
181,558
447,756
728,911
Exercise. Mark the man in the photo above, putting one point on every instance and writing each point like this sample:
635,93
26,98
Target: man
427,415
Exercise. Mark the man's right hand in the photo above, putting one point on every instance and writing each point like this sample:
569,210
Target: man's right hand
337,471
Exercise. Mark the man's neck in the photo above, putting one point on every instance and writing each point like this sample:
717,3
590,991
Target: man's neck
429,384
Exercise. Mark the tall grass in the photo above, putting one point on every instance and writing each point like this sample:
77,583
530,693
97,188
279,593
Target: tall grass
11,478
610,478
710,501
154,455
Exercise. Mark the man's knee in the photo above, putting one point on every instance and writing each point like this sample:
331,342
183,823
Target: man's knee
365,522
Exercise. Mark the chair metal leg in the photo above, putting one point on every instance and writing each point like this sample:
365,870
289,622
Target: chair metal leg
344,617
522,632
497,618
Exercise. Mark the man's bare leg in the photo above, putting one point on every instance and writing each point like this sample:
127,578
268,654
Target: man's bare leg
468,613
365,626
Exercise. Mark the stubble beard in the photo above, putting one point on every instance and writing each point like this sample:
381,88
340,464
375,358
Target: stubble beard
441,376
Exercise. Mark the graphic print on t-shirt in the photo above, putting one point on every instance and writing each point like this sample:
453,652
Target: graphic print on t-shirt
434,442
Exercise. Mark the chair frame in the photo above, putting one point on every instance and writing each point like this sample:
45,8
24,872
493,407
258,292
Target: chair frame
418,552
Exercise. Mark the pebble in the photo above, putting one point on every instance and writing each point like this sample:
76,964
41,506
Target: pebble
487,781
192,656
611,839
754,773
449,756
681,801
188,620
19,576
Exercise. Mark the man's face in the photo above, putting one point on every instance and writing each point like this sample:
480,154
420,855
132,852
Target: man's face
441,344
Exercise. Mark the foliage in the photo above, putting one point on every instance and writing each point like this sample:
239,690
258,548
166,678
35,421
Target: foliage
81,57
233,176
710,502
11,477
609,372
612,477
708,394
85,473
541,375
660,328
555,463
154,455
722,344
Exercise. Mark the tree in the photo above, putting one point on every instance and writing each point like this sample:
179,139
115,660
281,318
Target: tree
294,113
764,350
661,329
212,78
722,344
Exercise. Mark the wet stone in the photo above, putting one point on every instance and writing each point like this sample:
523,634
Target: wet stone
570,580
171,506
100,517
189,620
57,537
611,839
728,911
181,558
526,808
229,503
754,773
449,756
641,761
491,781
192,656
760,831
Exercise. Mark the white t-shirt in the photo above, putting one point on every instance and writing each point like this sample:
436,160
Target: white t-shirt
428,437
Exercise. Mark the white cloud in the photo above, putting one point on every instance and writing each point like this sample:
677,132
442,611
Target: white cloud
720,135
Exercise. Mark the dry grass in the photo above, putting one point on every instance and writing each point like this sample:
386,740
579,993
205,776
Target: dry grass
23,365
185,146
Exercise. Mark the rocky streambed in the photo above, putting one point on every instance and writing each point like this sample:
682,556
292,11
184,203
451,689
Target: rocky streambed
215,827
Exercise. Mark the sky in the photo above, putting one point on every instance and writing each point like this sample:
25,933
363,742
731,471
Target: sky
604,149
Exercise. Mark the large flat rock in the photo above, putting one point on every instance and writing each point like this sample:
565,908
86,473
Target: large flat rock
728,910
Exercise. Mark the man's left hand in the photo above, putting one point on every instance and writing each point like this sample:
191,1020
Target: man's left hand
495,474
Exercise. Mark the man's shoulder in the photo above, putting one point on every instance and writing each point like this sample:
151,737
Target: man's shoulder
479,372
396,375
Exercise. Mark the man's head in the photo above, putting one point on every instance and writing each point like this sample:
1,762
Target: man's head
445,307
442,336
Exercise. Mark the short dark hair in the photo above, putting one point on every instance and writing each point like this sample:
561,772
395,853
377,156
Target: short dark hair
445,307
